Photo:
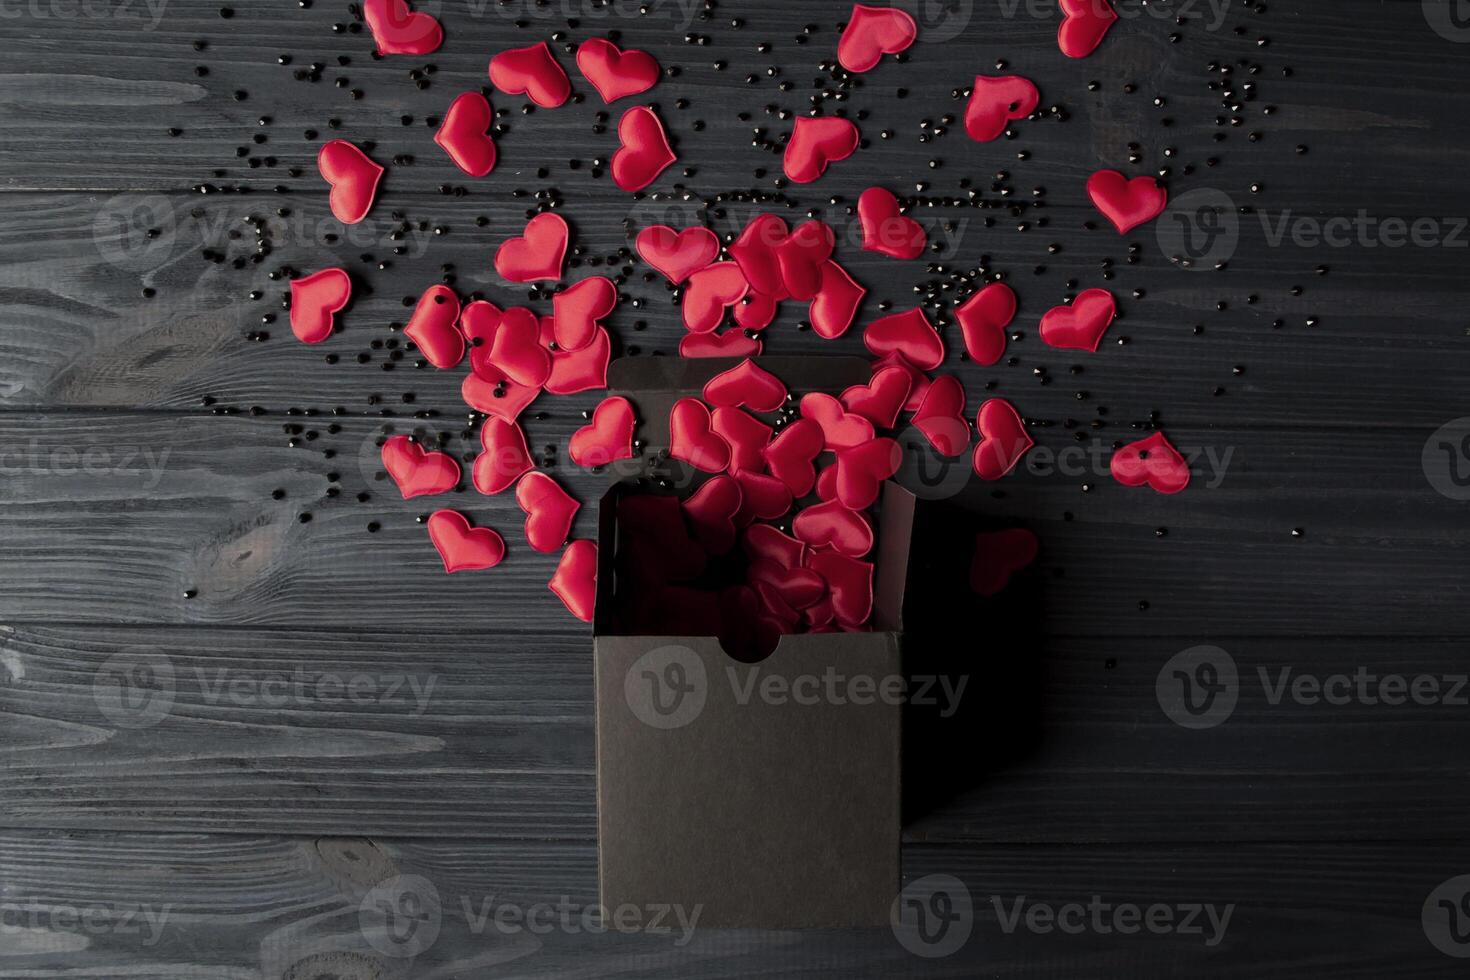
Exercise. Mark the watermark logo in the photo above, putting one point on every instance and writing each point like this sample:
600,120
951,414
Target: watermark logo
1198,687
927,474
1450,19
940,20
1446,459
1209,14
1103,917
134,688
146,14
933,916
401,917
136,232
23,923
666,688
1199,229
681,13
1446,917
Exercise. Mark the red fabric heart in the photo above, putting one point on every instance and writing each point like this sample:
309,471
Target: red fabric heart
616,73
477,321
826,488
797,588
872,32
801,256
461,547
1126,203
755,311
575,581
731,343
711,511
433,327
994,102
464,134
983,319
815,142
746,385
531,71
764,498
886,230
840,429
516,350
497,395
1084,24
581,370
315,301
549,511
908,333
880,400
850,582
1154,461
537,253
755,252
417,472
861,470
1080,326
709,292
918,380
836,303
746,436
790,455
693,439
762,542
643,149
998,555
831,525
941,416
677,254
353,179
608,437
1003,439
397,29
579,307
505,458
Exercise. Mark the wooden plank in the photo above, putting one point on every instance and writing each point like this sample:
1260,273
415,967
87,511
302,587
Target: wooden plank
464,734
164,906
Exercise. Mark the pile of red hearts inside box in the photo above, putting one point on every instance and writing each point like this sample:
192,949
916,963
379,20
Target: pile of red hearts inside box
817,579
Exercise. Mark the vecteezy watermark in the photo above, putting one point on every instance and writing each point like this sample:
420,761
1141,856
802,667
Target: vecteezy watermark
1210,14
144,14
403,916
143,464
1198,687
1446,917
933,916
1199,229
138,688
1450,19
44,921
1098,916
1446,459
1363,230
669,687
681,13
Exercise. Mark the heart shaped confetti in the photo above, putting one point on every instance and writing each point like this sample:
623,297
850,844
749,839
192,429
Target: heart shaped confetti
398,29
531,71
516,350
418,473
747,437
1084,25
790,455
755,311
746,385
886,229
909,334
504,458
465,134
692,437
801,255
581,370
614,72
497,396
1003,439
764,498
918,380
537,254
880,400
464,548
711,511
315,301
815,142
850,582
710,292
1080,326
575,580
643,149
1126,203
983,319
352,177
872,32
677,254
1153,461
608,437
995,102
841,429
941,416
831,525
861,470
998,556
434,327
731,343
836,303
579,308
755,252
549,511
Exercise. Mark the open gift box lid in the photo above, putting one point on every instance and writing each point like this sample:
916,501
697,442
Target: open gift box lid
751,795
